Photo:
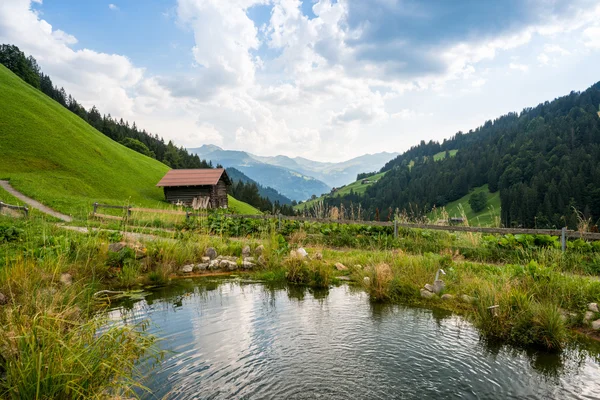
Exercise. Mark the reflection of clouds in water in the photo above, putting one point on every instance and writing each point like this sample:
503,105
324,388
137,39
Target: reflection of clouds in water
249,340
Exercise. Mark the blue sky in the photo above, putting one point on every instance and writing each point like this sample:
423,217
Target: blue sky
322,79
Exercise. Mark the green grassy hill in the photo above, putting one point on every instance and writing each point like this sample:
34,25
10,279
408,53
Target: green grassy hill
55,157
482,218
357,187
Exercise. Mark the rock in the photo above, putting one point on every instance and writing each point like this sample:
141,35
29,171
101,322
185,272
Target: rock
318,256
596,325
259,250
467,299
246,251
426,294
214,264
593,307
206,260
301,252
211,253
249,259
438,286
567,316
187,269
588,316
201,267
428,287
247,264
261,260
367,280
447,296
228,265
3,299
116,247
340,267
66,279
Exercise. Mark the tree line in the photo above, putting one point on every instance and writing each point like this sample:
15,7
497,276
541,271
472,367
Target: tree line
545,161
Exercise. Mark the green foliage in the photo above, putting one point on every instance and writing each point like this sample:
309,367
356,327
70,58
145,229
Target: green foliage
9,233
478,201
138,146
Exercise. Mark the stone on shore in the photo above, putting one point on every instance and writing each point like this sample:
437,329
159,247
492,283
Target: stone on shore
201,267
187,269
438,286
588,316
596,325
447,296
211,253
428,287
593,307
426,294
246,251
467,299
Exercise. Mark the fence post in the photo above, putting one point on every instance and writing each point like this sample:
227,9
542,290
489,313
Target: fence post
396,228
563,239
95,207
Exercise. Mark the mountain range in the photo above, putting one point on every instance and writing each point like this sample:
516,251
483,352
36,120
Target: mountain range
296,178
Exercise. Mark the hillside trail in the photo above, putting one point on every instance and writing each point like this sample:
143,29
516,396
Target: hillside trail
34,203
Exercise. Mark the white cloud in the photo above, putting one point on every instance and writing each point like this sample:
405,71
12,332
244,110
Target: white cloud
592,37
543,58
113,7
519,67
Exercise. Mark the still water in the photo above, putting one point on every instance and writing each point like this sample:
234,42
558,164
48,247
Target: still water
229,340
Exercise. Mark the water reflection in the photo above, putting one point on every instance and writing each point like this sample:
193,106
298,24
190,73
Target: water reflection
231,339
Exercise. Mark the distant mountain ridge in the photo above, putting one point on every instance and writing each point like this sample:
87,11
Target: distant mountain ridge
296,178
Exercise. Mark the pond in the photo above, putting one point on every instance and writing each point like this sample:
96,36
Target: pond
228,339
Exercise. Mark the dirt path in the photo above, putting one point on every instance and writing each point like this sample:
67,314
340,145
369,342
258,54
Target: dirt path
33,203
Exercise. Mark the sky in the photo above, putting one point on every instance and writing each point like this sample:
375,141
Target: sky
322,79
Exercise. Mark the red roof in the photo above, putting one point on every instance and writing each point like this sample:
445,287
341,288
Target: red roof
193,177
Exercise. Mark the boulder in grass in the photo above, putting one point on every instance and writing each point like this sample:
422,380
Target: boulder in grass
428,287
447,296
259,250
66,279
247,264
246,251
211,253
341,267
426,294
117,247
201,267
301,252
593,307
588,316
214,264
596,325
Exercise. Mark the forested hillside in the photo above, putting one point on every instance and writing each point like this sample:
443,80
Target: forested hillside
264,198
545,161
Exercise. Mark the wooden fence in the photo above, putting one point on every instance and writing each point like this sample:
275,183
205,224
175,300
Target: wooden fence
11,207
563,233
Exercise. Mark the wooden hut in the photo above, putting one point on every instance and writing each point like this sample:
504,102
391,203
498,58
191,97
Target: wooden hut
198,188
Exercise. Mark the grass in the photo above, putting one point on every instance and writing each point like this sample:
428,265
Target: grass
356,186
53,156
487,217
442,154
